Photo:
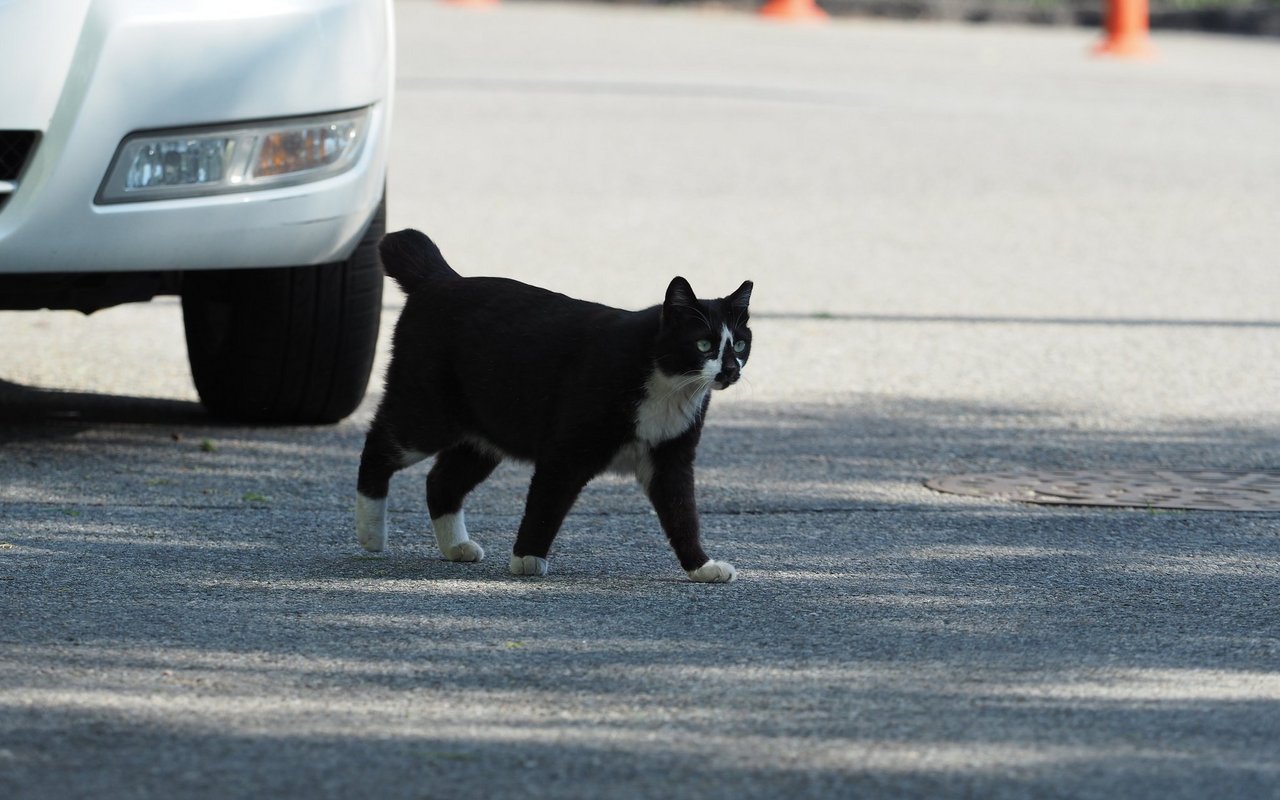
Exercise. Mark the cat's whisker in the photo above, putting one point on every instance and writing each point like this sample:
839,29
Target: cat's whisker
685,381
681,381
694,379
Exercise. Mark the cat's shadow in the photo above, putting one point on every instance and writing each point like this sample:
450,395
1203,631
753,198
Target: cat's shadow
405,564
425,564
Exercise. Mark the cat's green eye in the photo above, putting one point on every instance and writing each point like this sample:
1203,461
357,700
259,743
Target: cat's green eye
704,346
739,347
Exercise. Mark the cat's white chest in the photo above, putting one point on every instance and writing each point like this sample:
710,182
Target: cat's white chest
670,407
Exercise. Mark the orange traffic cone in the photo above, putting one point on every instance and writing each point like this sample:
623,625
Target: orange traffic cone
793,10
1126,34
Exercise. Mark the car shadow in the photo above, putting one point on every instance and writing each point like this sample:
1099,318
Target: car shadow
23,408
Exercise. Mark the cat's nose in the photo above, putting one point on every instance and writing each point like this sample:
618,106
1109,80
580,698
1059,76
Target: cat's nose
729,372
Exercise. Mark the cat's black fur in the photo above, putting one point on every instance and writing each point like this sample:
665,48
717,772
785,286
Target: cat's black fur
483,368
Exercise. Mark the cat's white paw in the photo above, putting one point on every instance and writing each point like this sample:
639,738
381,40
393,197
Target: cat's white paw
528,565
713,572
465,551
371,522
372,540
451,537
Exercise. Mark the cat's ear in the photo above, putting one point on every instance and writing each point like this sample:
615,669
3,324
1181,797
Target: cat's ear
680,298
680,295
741,298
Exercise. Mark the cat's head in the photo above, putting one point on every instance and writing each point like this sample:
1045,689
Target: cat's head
704,340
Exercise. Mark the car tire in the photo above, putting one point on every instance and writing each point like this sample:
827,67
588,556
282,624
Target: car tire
288,344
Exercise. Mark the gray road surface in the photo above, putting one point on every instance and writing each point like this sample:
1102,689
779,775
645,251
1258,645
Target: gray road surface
974,249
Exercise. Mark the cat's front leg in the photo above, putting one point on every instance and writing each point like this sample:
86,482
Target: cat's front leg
668,479
713,572
552,492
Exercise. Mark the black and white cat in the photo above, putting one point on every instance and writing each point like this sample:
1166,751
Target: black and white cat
484,369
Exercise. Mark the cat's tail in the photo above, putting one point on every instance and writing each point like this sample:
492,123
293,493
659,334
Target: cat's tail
412,259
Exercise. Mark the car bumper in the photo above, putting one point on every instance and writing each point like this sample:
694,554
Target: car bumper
141,64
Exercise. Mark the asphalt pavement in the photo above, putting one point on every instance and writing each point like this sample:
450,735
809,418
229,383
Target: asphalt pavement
974,249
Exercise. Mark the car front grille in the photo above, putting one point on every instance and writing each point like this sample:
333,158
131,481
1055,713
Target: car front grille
16,148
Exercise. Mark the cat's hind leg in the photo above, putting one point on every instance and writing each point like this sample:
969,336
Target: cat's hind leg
456,472
378,462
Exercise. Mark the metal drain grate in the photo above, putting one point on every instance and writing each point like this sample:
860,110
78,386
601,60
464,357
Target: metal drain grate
1202,490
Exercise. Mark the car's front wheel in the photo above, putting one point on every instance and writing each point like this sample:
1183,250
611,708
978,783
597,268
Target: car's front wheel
288,344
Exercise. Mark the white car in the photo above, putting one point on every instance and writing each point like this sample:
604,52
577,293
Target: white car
230,151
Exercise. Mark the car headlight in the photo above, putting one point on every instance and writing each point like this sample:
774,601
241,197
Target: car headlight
192,162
